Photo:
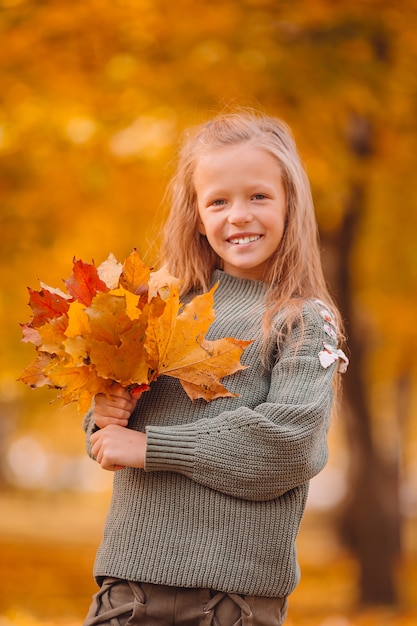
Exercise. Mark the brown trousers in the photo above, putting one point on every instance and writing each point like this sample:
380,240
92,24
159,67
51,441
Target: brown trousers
124,603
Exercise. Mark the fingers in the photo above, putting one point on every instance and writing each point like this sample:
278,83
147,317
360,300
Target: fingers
103,457
121,397
115,447
115,408
107,411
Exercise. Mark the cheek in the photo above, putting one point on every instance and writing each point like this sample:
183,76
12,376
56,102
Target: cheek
206,223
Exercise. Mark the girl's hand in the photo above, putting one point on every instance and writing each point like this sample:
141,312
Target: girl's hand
116,447
115,409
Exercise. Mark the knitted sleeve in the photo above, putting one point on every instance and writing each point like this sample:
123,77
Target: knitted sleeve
259,454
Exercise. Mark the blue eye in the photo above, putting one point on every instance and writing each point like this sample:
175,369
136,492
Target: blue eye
259,196
218,202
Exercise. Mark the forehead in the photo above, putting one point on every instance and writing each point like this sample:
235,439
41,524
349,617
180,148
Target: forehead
244,158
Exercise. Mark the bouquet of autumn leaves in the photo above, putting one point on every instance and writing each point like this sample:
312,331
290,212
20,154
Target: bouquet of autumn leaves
124,323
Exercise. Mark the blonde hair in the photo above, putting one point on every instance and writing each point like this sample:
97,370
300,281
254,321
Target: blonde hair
294,272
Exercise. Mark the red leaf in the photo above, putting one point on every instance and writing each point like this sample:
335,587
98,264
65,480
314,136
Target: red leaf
137,390
84,282
46,306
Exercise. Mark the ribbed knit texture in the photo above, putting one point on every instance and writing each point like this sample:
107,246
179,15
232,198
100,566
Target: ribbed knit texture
225,484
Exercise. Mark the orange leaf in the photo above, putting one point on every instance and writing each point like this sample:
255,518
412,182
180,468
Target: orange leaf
76,340
77,350
34,374
45,306
207,389
135,275
70,378
84,282
53,335
125,363
108,318
77,384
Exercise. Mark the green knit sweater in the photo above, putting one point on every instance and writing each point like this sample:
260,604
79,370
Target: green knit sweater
225,483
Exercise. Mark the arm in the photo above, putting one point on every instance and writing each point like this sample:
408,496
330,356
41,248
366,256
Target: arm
260,453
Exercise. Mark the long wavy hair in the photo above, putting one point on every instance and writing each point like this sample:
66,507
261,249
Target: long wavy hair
294,272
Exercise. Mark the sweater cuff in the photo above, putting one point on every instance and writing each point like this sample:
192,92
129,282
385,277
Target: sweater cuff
171,449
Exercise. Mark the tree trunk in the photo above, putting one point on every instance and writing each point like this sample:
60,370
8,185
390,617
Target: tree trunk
371,518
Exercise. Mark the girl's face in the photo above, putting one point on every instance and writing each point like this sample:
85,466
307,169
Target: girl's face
242,207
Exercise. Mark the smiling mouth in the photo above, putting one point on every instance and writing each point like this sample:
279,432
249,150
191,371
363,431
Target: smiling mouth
239,241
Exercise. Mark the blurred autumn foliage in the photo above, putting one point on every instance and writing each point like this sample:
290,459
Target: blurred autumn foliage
94,95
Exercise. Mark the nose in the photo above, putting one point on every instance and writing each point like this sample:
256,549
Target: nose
240,213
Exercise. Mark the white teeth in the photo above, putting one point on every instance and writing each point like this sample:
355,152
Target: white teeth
242,240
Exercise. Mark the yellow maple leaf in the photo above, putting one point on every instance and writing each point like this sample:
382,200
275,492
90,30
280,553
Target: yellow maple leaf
78,322
133,303
162,314
201,379
188,328
177,347
76,342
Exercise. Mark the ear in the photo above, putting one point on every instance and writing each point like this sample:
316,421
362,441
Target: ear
201,228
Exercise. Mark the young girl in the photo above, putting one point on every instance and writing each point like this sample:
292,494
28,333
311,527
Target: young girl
208,496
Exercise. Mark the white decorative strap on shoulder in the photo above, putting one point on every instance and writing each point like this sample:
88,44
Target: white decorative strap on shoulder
330,354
